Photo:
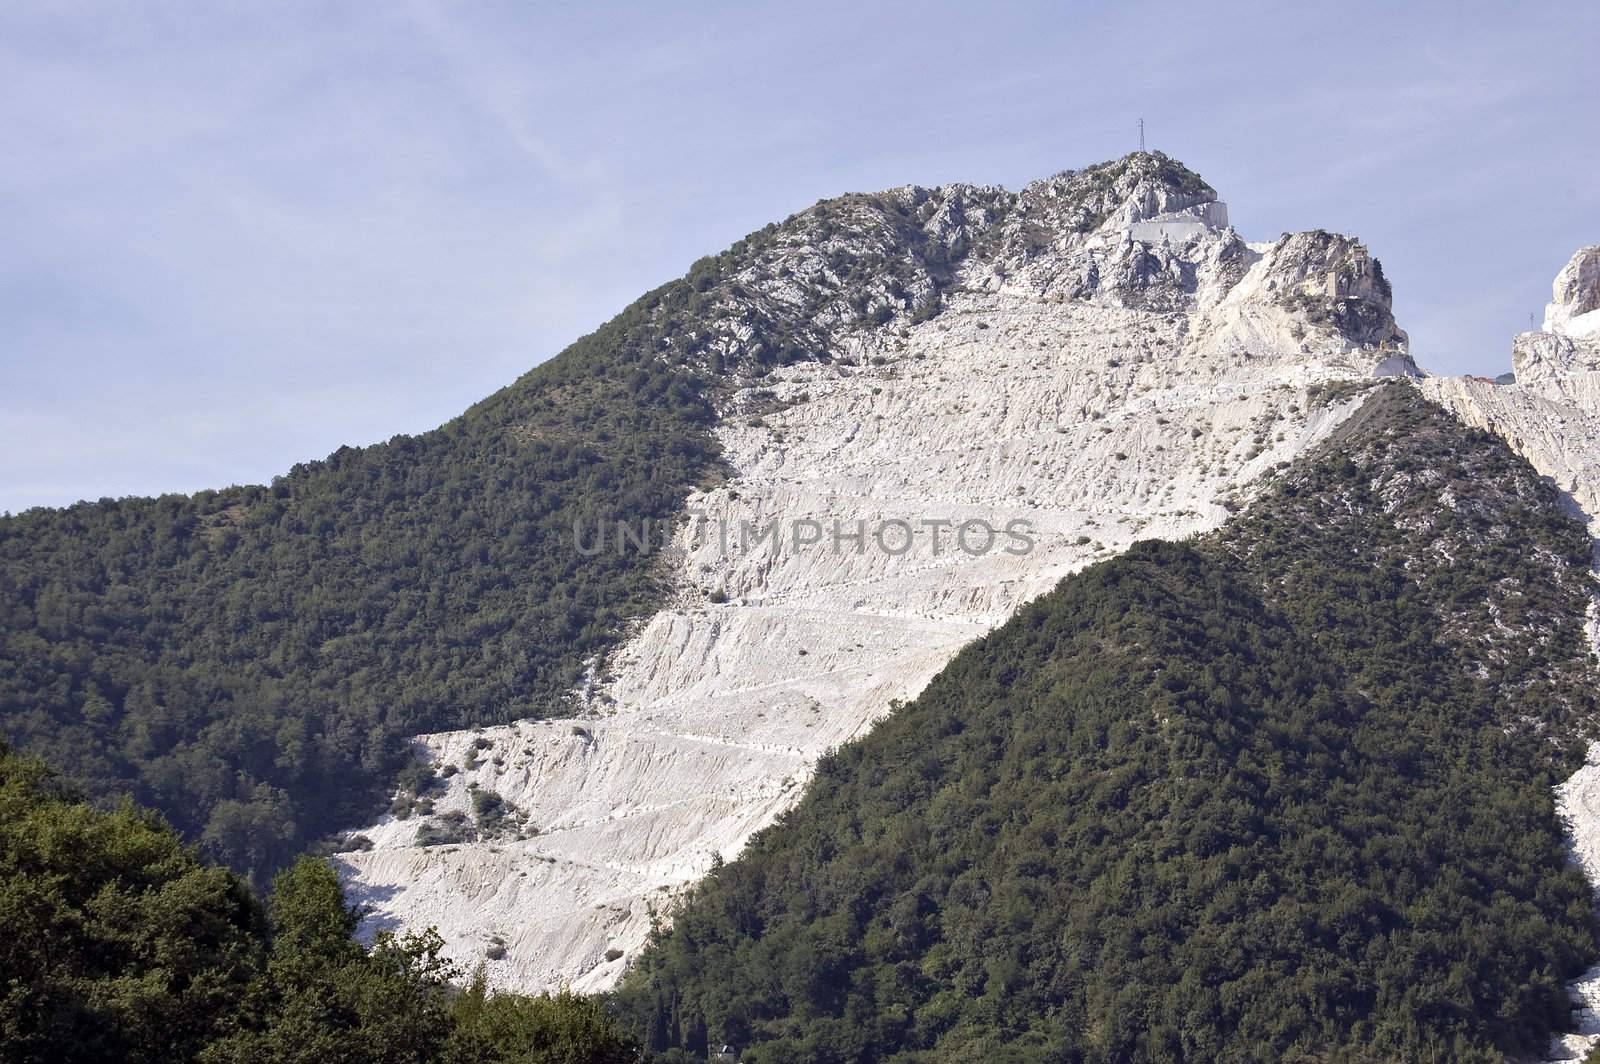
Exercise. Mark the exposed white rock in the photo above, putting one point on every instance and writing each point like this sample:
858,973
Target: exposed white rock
1574,308
1096,388
1562,360
1181,226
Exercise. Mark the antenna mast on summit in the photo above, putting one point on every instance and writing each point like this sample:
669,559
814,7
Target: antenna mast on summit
1141,134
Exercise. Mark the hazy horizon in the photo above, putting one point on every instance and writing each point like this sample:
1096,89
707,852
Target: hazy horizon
237,241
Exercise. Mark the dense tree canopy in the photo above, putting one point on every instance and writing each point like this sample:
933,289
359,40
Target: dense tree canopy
249,661
119,945
114,939
1282,793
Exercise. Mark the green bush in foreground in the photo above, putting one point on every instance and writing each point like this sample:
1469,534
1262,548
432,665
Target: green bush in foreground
118,945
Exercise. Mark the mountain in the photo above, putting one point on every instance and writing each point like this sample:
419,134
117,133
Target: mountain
1004,357
1550,412
1279,792
251,661
588,639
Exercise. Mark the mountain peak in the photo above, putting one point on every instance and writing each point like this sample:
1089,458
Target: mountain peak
1570,340
1574,309
1116,194
1152,169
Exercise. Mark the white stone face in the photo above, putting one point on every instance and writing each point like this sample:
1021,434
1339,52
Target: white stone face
1095,424
1181,226
1574,309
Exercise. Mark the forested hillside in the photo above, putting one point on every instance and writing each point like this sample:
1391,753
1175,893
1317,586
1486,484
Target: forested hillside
119,946
250,661
1279,793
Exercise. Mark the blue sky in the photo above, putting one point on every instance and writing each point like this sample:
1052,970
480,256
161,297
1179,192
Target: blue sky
236,236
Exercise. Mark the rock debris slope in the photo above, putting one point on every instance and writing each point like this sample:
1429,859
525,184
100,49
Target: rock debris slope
1035,369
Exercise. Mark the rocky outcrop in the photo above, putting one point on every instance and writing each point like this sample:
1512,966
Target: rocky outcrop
1563,358
1576,296
1050,213
1551,358
1335,283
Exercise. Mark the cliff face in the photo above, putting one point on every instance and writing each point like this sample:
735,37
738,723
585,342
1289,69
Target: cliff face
955,360
1576,296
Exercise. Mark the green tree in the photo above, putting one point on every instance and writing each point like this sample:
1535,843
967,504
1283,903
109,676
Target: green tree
323,997
564,1028
116,943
